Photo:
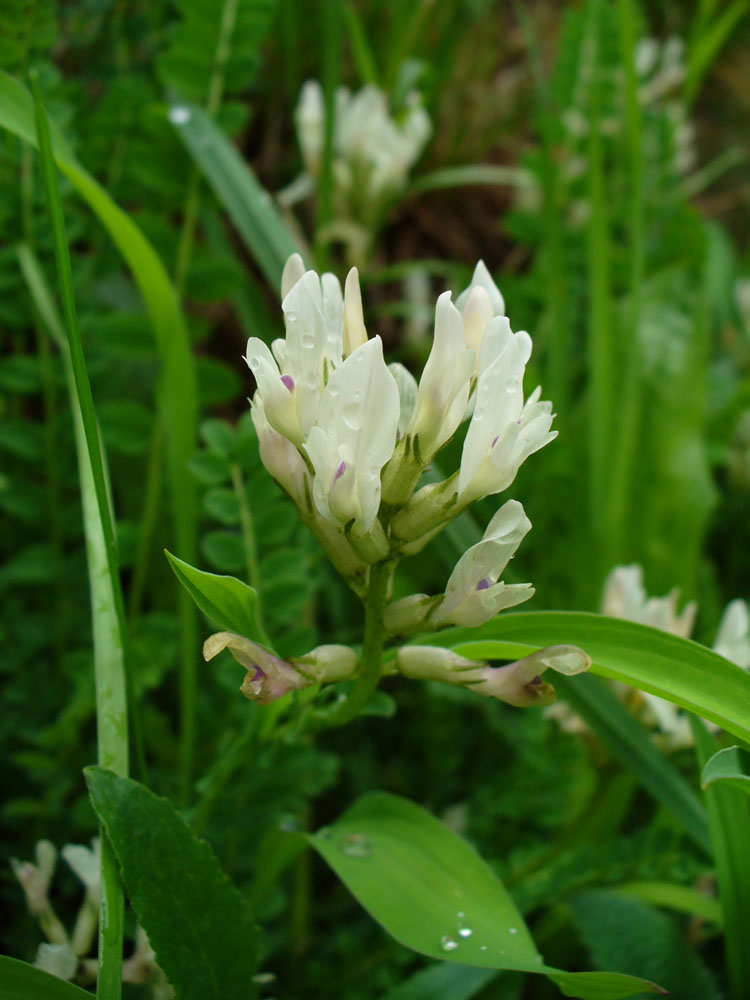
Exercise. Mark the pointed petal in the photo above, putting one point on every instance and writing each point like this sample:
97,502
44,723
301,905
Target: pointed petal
293,271
355,332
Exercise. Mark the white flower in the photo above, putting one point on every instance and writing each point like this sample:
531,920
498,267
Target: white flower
503,431
354,437
318,319
444,386
625,597
479,304
85,862
278,454
473,594
733,637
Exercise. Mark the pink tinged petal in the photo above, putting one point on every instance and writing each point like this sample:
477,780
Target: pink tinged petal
444,387
288,382
268,678
521,684
279,455
278,402
355,332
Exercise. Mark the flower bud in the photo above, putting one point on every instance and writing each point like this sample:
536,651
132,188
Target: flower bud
409,614
327,663
437,664
268,678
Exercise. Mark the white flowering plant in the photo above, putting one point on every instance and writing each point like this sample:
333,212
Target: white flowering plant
349,437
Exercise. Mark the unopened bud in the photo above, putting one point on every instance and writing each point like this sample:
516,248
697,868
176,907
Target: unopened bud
437,664
409,614
429,509
327,663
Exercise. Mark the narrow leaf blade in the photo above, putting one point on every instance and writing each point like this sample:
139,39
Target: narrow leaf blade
730,766
21,981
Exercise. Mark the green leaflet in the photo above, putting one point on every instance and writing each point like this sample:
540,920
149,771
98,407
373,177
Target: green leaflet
730,766
199,925
21,981
432,892
677,669
227,601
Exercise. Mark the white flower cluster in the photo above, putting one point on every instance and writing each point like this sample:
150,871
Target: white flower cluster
348,437
625,597
373,152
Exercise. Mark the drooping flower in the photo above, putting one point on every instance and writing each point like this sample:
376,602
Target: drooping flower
519,683
503,431
353,438
267,679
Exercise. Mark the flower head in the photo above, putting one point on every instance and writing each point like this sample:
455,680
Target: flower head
267,679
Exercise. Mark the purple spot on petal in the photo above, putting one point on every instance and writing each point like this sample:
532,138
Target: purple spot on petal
288,382
495,440
519,421
340,470
536,680
483,585
258,675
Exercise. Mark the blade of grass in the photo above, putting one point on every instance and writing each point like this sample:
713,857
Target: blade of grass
708,43
107,602
248,205
600,361
177,394
590,698
624,451
729,826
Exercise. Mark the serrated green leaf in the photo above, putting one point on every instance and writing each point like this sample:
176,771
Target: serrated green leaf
425,885
229,603
730,766
21,981
199,925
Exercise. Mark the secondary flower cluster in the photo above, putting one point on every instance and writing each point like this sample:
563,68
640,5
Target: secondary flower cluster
625,597
349,438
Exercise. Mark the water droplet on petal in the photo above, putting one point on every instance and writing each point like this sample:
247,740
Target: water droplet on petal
254,361
356,845
479,413
307,340
511,385
448,943
353,417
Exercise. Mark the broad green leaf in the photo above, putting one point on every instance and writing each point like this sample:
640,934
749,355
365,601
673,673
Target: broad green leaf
432,892
228,602
677,669
731,767
248,205
593,700
729,826
199,925
20,981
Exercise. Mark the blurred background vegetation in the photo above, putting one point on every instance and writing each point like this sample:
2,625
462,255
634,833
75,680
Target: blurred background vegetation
595,156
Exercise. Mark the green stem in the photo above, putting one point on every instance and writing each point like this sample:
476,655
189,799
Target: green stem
147,523
372,647
248,532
